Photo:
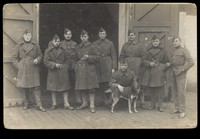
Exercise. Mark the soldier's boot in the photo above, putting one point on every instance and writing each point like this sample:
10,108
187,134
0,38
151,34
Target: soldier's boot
66,103
54,102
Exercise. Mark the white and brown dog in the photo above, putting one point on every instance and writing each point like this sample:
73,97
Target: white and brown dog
129,93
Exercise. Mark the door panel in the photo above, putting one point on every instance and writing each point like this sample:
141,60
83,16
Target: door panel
16,18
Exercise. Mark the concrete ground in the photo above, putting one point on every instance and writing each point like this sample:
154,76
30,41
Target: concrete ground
17,118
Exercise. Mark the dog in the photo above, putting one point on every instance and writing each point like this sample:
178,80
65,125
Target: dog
129,93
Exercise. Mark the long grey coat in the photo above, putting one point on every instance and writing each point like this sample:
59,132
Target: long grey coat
153,76
108,59
131,54
85,72
57,79
23,56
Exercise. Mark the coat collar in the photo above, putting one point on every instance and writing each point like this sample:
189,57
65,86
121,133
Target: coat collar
84,44
51,47
27,47
132,42
68,42
99,41
154,51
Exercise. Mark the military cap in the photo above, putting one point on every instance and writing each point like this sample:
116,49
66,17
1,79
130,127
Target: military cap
154,37
26,31
102,30
83,32
130,31
66,30
55,37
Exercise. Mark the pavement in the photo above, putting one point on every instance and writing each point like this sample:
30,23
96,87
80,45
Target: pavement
17,118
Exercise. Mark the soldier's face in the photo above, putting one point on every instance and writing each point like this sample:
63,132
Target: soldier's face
156,42
102,35
68,35
124,66
176,42
27,37
131,36
84,38
56,43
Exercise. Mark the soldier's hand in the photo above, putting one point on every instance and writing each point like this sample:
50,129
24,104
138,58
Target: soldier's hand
86,56
59,66
35,61
113,70
168,64
152,64
83,58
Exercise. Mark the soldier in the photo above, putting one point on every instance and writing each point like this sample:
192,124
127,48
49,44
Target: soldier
108,61
85,72
26,58
131,53
180,61
71,47
153,66
56,60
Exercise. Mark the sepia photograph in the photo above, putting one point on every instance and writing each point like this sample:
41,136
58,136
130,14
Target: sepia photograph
100,66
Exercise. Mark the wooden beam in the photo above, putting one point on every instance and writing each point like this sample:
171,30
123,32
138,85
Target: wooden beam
10,36
18,17
7,59
147,12
26,9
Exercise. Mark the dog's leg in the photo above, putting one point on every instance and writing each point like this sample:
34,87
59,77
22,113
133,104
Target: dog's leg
115,100
129,105
135,103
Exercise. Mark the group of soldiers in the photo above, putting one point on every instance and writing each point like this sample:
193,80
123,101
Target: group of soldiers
90,67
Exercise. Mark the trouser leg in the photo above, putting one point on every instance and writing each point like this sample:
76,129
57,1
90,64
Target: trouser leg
92,98
65,97
142,94
54,102
181,89
76,92
160,91
37,94
175,94
153,97
84,97
26,96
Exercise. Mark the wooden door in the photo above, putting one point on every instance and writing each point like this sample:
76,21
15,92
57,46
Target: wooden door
16,18
154,19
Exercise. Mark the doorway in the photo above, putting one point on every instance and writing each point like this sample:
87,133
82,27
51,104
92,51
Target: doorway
53,18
